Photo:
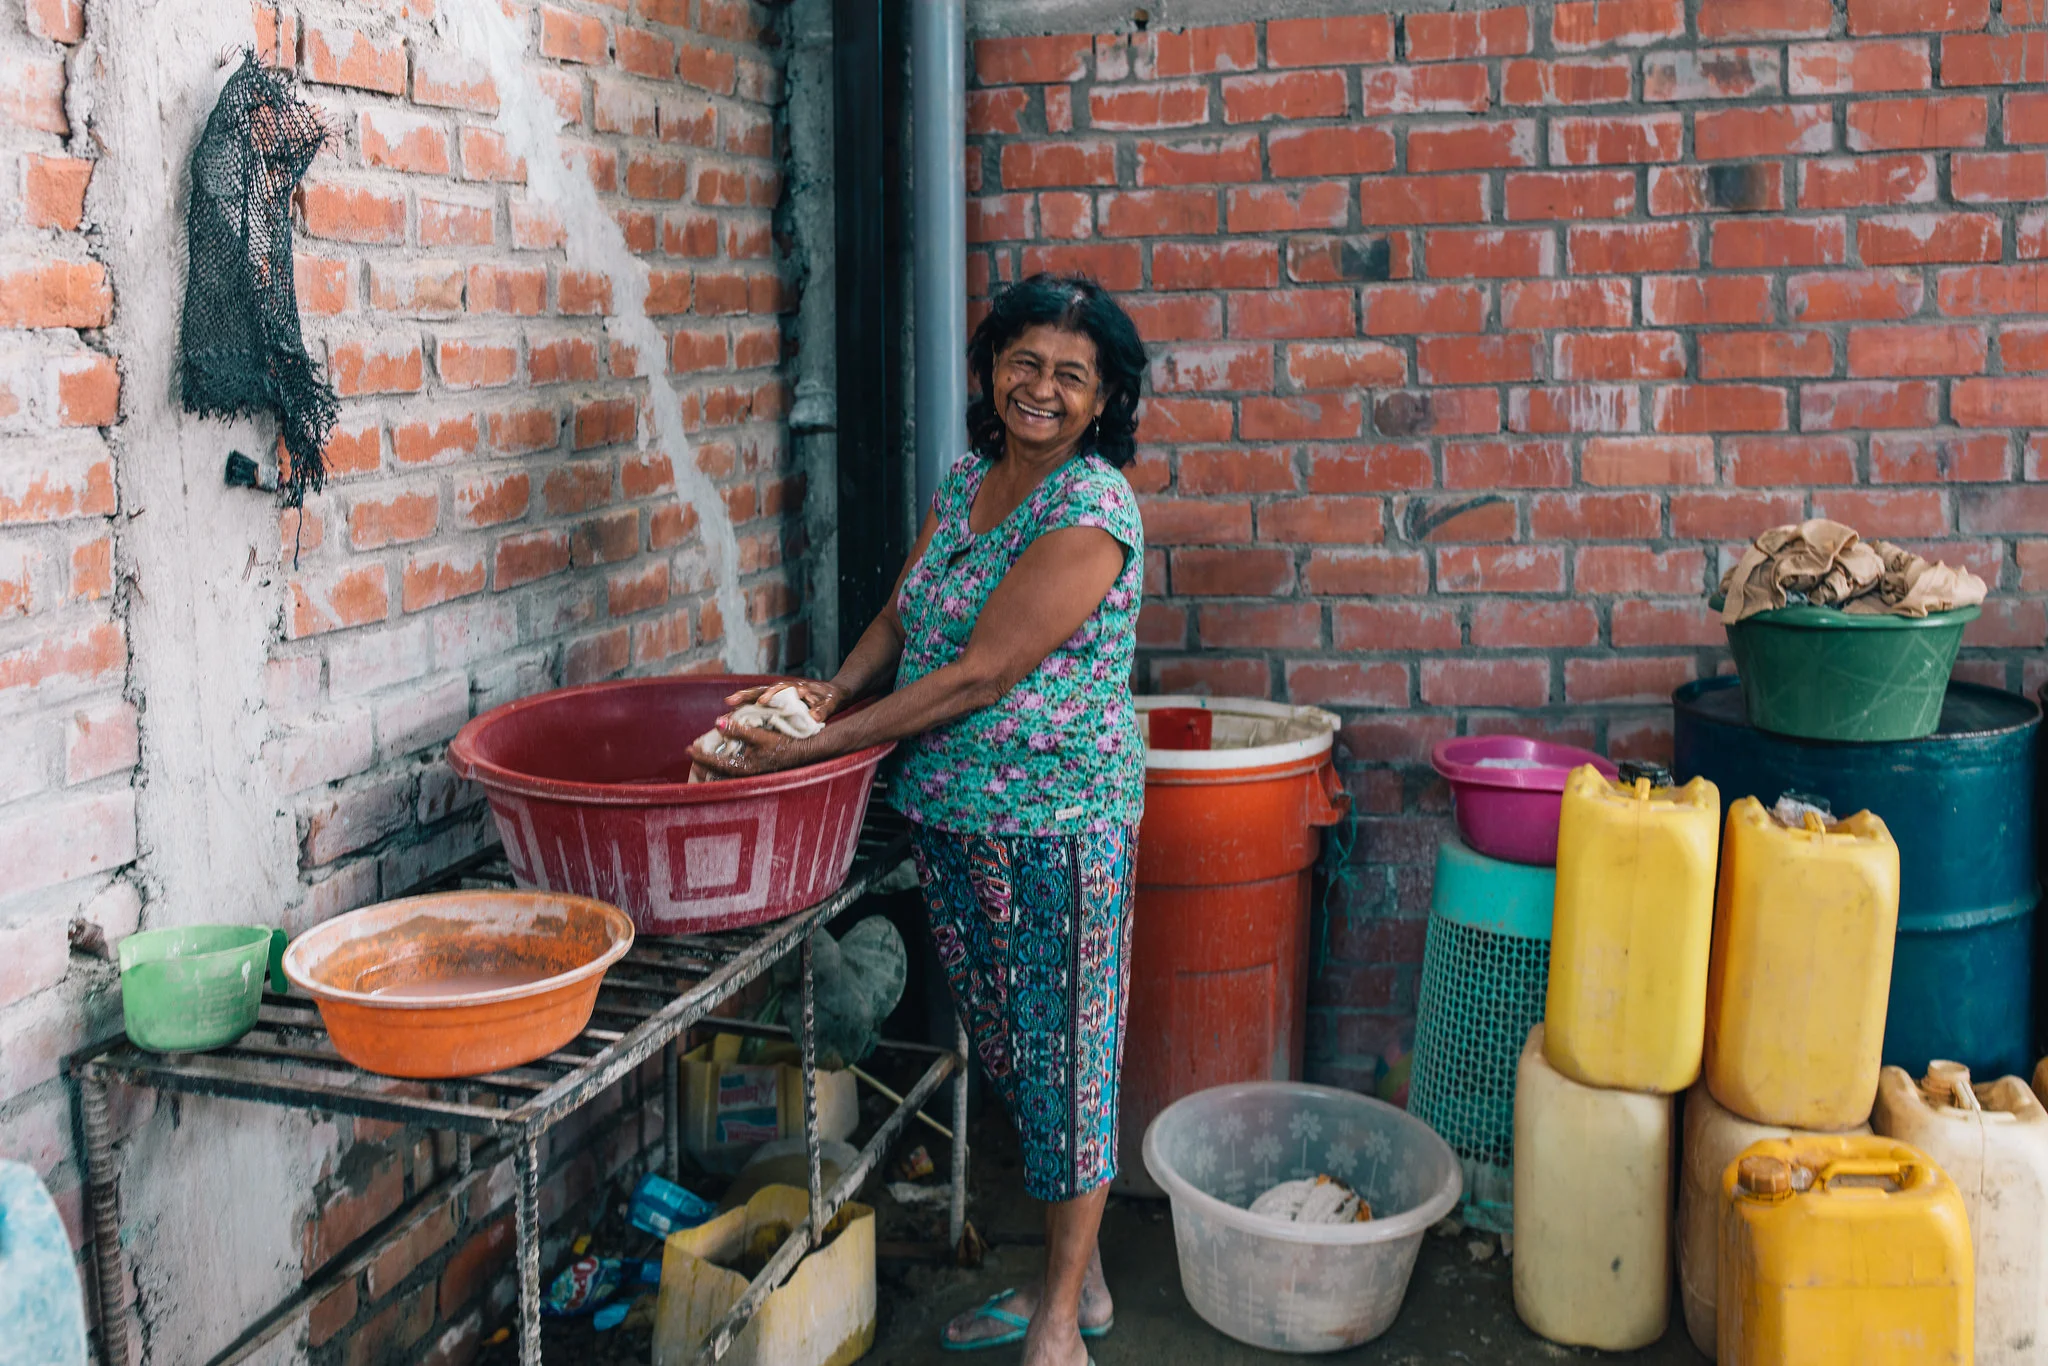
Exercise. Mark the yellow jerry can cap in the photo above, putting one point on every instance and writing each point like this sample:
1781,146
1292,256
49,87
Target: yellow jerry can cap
1765,1178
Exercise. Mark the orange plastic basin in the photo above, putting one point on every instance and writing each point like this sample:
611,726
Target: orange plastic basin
461,983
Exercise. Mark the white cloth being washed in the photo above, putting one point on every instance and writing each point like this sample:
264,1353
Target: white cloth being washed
781,709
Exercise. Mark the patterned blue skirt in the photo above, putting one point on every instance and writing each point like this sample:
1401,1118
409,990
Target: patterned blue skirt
1035,936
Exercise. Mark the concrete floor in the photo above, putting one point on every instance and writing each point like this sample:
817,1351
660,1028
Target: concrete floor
1458,1310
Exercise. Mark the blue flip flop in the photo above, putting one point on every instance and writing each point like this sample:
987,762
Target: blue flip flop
1016,1323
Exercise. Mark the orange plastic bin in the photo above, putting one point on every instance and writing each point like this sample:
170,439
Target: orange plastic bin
1220,952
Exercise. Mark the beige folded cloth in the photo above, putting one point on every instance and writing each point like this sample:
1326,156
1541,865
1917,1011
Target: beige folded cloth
1912,587
1829,565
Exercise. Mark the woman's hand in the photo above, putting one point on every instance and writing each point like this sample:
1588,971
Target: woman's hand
755,750
823,699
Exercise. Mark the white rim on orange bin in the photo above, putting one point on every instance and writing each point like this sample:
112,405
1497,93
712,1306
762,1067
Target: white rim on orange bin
1248,733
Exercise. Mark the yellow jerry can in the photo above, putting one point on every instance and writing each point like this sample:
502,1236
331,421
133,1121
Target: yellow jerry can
1710,1139
1839,1250
1631,932
1802,967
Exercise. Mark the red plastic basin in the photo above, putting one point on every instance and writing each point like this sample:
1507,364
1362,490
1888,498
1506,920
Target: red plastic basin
589,787
1510,813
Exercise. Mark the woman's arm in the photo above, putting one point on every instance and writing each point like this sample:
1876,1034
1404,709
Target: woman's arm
1048,595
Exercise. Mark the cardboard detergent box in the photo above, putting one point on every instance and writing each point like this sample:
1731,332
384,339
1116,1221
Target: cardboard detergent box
731,1107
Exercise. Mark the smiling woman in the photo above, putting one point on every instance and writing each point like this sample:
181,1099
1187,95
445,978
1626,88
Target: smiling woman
1097,341
1005,658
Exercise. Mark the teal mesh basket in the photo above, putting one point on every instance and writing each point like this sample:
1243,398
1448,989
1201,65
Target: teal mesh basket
1484,969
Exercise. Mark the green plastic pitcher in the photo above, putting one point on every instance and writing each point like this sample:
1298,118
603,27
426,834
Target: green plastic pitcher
197,987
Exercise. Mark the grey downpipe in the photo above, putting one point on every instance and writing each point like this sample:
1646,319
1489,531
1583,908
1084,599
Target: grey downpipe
938,86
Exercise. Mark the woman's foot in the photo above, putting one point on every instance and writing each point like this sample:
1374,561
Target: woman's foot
977,1325
1052,1344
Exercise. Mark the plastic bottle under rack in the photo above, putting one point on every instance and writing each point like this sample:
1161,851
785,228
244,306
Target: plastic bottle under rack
1992,1140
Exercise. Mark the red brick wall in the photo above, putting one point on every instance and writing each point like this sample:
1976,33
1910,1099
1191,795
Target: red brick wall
490,529
67,737
1483,337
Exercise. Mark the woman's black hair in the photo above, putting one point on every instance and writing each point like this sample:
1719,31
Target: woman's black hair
1072,303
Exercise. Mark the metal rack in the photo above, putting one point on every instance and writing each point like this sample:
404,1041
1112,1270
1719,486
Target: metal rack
663,987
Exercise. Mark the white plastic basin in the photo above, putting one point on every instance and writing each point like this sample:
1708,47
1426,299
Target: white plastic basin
1297,1287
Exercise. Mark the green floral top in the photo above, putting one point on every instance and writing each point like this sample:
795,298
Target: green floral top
1060,754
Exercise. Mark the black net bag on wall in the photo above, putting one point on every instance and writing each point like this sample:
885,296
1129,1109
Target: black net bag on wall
242,351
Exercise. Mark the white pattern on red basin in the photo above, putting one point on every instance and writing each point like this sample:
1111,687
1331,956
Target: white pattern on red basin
687,869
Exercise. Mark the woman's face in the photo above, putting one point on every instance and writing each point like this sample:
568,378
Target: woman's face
1047,389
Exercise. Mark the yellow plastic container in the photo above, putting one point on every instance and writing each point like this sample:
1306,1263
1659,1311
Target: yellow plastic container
1992,1140
1592,1208
1843,1251
1802,967
1711,1139
1631,932
823,1315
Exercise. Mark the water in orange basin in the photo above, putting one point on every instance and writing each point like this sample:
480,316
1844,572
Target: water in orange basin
459,984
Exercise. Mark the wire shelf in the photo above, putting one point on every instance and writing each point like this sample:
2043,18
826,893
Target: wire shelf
664,986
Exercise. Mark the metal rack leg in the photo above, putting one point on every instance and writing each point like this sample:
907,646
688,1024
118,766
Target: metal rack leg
810,1061
957,1221
103,1185
672,1109
526,1162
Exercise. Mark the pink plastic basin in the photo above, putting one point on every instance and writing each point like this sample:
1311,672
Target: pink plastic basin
1510,813
589,787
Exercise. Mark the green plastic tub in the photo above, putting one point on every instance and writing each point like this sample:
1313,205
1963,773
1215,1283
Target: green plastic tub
1819,673
197,987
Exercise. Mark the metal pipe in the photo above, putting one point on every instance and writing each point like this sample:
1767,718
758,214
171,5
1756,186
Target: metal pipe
809,1055
672,1110
526,1224
938,93
104,1186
